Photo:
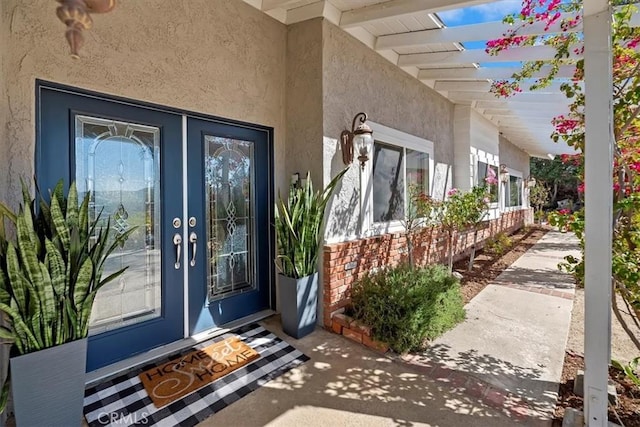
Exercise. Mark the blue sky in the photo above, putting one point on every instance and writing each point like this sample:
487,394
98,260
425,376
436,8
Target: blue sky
482,13
494,11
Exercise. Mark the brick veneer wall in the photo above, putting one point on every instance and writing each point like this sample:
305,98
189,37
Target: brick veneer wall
346,262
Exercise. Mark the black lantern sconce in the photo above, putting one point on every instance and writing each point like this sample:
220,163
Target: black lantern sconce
360,138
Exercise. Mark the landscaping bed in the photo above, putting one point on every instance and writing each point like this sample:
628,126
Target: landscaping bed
487,266
628,408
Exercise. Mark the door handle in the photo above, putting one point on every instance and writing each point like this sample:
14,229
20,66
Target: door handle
177,241
193,239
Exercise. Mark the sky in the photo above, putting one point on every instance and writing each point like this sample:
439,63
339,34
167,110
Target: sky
494,11
488,12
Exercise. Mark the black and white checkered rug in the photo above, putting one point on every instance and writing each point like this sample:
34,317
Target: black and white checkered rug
124,401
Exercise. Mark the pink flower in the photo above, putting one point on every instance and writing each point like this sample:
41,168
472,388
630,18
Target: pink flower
581,187
452,192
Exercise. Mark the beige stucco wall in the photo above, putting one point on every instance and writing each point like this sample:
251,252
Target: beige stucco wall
222,58
304,100
356,78
514,157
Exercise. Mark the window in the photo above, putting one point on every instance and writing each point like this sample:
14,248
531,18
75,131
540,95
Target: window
398,162
487,176
390,167
513,196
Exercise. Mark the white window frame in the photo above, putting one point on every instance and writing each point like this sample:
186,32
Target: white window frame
492,160
506,192
396,138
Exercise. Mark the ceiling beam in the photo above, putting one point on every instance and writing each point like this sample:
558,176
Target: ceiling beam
544,98
395,8
481,73
533,53
559,107
467,86
475,32
465,33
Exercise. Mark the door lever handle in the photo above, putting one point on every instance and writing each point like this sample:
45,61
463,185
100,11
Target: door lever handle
193,239
177,241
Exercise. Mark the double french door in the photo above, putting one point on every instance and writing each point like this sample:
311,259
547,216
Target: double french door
197,192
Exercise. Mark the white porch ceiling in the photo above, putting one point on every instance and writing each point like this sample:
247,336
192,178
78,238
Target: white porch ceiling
409,34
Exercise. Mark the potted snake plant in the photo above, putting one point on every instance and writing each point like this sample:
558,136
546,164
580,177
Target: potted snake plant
51,267
298,223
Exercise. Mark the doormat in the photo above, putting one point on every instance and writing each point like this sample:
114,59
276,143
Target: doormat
185,374
124,401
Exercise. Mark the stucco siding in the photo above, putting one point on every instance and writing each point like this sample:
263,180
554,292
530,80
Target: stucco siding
223,58
514,157
356,78
304,100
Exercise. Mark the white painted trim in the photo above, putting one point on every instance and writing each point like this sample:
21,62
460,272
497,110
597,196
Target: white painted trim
402,139
599,143
185,228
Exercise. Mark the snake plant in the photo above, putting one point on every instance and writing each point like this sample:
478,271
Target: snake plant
51,269
298,223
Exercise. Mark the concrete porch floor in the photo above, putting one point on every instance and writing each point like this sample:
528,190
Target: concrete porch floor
346,384
498,368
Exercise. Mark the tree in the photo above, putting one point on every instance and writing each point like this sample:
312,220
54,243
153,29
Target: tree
570,127
558,175
538,197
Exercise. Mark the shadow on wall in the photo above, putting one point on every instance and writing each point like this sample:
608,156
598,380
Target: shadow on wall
344,206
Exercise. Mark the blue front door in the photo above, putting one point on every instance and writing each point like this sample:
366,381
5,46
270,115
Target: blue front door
202,236
229,204
129,158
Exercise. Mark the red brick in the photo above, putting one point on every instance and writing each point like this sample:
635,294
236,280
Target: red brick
336,328
360,327
352,335
376,345
476,388
342,319
495,398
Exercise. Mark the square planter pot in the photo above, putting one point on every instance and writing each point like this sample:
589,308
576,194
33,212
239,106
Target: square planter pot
48,385
299,304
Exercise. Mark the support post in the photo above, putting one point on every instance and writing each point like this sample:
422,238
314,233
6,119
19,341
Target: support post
598,207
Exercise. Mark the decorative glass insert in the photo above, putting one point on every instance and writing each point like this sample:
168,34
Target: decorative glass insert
119,163
487,176
388,182
229,184
515,191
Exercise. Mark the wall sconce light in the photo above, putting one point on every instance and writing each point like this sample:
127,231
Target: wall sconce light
75,15
360,138
531,182
504,174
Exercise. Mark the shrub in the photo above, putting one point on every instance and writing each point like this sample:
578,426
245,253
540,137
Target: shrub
405,306
498,244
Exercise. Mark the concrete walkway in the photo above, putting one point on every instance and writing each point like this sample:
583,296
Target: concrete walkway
498,368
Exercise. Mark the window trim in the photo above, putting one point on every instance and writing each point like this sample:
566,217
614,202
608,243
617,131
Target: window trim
506,192
396,138
491,160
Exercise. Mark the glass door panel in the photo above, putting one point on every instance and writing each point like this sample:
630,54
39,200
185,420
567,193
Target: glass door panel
228,187
119,164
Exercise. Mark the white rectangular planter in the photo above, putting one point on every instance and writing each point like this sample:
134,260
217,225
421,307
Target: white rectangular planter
299,304
48,385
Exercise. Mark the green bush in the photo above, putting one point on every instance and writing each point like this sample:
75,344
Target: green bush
498,244
405,306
